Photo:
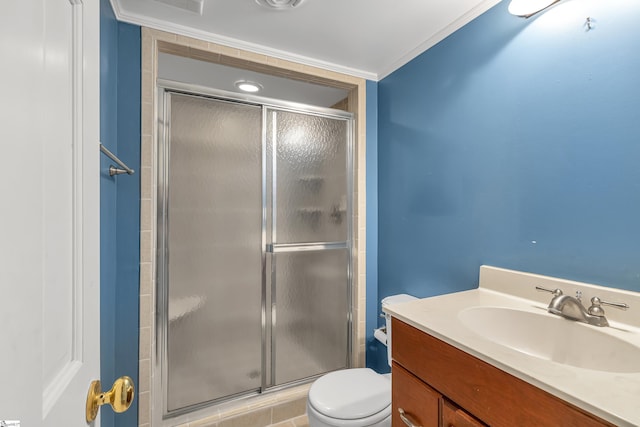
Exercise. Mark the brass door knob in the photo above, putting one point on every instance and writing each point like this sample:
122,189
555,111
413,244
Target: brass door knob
119,397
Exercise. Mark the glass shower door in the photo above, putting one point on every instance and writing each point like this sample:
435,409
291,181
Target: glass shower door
254,247
211,232
308,163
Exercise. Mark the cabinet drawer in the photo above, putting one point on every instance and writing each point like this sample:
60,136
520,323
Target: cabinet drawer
419,402
491,395
452,416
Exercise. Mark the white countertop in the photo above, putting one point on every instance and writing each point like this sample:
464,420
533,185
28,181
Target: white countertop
612,396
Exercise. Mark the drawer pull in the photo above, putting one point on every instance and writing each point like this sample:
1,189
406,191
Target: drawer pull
406,419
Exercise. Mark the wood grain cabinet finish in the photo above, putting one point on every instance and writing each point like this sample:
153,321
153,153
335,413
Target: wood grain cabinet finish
485,393
452,416
420,403
422,406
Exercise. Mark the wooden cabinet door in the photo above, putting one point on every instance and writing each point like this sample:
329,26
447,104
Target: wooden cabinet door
420,403
452,416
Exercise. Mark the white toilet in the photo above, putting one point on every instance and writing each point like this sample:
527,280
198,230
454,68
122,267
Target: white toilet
355,397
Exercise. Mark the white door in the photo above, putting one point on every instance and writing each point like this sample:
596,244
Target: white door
49,210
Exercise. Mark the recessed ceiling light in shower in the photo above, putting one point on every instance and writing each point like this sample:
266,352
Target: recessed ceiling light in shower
248,86
279,4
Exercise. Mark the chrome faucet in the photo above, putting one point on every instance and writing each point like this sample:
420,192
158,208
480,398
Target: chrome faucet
571,308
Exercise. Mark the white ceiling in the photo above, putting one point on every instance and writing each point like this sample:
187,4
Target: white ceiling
364,38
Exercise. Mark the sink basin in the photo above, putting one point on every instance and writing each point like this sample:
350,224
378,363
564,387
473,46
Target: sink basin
553,338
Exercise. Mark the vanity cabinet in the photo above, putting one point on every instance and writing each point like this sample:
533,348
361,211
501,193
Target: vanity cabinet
438,385
423,406
418,401
452,416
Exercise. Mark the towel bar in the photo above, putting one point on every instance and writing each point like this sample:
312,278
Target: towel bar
112,169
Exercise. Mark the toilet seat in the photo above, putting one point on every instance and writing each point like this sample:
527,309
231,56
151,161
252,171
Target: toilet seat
351,397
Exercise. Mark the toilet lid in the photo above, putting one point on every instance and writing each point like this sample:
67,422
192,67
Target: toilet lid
350,394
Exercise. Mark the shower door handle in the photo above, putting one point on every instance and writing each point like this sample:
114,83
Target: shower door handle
300,247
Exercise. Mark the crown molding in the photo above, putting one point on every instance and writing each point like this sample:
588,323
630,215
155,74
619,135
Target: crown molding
157,24
439,36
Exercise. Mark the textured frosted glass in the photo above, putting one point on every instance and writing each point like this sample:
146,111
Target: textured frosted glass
311,332
214,253
310,177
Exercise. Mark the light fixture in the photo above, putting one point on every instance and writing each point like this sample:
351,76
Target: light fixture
527,8
248,86
279,4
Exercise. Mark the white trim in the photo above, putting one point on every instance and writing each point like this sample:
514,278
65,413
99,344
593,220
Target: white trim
115,6
157,24
56,389
77,83
439,36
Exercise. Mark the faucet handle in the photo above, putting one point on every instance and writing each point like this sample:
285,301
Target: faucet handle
596,309
556,292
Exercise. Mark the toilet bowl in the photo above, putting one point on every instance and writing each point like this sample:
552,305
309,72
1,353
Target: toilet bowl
357,397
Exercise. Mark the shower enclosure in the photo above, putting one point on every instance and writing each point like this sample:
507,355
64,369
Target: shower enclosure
254,245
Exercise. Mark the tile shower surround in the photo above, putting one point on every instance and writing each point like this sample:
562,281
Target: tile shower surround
284,408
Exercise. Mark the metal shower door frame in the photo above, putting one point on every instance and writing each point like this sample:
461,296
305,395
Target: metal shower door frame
268,315
272,248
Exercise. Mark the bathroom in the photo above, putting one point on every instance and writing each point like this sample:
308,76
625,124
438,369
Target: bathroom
510,143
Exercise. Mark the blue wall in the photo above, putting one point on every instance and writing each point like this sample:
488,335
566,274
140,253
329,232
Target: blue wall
514,143
510,143
373,347
119,207
108,136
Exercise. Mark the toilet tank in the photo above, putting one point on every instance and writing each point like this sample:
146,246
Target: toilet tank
393,299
